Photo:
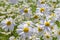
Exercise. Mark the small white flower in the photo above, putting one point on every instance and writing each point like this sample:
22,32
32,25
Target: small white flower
39,30
57,12
58,34
52,17
12,38
24,30
47,36
34,38
2,9
43,9
29,23
8,24
26,12
46,24
39,2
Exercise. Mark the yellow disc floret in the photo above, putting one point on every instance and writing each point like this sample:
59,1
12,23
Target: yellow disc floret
58,32
26,10
8,23
47,24
26,29
47,36
35,16
42,2
52,28
52,14
42,9
40,29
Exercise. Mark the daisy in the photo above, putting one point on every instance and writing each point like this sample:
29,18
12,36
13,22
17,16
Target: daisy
47,36
29,23
53,33
12,38
26,12
36,17
58,34
34,38
8,24
24,31
47,24
57,12
43,9
39,30
41,2
52,17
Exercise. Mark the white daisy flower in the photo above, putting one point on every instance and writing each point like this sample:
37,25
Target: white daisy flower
54,33
24,31
58,34
52,17
29,23
36,17
41,2
25,9
2,9
46,24
8,24
39,30
43,10
47,36
54,27
57,12
26,12
34,38
12,38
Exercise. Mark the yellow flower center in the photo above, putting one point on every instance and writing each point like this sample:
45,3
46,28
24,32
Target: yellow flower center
8,23
59,32
47,24
26,10
42,2
48,36
52,14
35,16
42,9
40,29
52,28
26,29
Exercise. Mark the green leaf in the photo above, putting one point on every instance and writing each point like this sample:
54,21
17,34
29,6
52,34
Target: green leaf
54,38
4,37
58,24
33,6
41,38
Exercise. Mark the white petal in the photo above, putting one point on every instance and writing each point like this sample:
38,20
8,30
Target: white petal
19,31
11,28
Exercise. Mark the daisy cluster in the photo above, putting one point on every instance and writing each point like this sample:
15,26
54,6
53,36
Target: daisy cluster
29,19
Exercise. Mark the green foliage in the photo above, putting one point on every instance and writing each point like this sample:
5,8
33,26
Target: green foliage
58,24
33,6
